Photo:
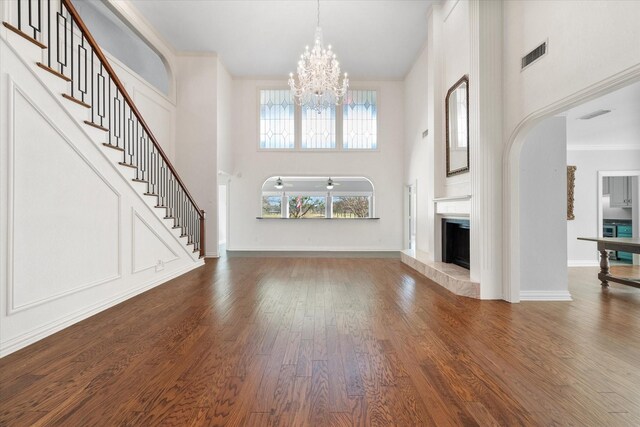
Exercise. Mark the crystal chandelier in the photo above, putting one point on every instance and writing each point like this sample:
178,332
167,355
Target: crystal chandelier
318,85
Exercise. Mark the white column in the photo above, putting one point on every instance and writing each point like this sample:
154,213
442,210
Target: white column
485,132
329,206
435,113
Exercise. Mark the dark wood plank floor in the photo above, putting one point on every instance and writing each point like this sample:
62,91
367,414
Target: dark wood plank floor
333,342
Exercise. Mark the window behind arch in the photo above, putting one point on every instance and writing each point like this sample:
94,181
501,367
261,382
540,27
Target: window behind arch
309,197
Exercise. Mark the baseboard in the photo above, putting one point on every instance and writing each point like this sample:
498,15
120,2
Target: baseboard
583,263
307,253
545,296
44,331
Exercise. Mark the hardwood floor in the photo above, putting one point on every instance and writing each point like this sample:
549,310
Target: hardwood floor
333,342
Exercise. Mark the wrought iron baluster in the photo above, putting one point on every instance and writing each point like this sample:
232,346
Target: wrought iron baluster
92,95
73,82
20,15
48,32
36,29
100,80
110,110
82,77
61,25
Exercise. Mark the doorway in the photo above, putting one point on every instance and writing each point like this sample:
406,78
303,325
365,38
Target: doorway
222,218
618,210
411,222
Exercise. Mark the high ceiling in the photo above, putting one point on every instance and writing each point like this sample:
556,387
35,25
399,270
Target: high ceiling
618,127
264,38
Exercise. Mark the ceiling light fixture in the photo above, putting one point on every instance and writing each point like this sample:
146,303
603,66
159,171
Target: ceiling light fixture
330,184
318,85
594,114
279,184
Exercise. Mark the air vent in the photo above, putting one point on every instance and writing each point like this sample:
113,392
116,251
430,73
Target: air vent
594,114
534,55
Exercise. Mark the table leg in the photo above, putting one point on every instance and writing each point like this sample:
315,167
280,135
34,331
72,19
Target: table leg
604,268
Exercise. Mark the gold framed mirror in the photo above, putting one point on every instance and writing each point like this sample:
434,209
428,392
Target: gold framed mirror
457,127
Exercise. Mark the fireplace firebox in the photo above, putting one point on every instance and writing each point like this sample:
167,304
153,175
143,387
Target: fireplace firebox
455,242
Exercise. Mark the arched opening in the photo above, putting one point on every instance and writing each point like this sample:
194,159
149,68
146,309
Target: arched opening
539,241
338,197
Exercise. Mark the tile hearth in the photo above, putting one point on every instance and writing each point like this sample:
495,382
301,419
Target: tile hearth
450,276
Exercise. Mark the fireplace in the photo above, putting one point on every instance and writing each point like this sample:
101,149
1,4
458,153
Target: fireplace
455,241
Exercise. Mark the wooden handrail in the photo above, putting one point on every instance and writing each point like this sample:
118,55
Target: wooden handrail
114,77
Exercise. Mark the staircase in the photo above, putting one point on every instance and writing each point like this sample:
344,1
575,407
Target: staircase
71,55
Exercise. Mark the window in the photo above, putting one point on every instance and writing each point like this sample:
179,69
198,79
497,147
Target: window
319,129
351,206
271,206
352,125
302,206
359,124
317,197
277,130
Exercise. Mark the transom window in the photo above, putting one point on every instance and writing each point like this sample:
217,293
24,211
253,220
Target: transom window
350,126
317,197
277,127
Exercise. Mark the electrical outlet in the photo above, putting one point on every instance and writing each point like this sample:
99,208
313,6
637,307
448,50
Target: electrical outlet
160,265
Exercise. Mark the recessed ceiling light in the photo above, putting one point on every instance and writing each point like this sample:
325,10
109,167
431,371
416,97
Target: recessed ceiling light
594,114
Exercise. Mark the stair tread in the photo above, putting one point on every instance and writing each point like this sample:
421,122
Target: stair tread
52,71
95,125
127,165
115,147
76,100
24,35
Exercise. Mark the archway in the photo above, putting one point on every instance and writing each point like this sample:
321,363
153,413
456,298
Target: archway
512,174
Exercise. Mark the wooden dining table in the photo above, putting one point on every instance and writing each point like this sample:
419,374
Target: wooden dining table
631,244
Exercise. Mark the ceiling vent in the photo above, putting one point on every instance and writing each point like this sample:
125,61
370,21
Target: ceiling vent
594,114
534,55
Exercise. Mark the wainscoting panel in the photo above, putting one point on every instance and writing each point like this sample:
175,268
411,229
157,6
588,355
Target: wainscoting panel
63,212
148,247
70,238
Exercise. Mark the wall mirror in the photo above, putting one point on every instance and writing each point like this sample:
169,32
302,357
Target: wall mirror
457,135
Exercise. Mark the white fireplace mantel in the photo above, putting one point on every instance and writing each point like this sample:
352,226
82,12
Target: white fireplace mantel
455,205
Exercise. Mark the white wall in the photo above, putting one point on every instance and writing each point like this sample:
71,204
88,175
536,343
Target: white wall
196,136
442,62
79,237
158,111
252,167
456,62
589,40
418,159
224,115
588,163
543,231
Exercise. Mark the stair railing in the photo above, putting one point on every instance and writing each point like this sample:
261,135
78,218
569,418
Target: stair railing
73,55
